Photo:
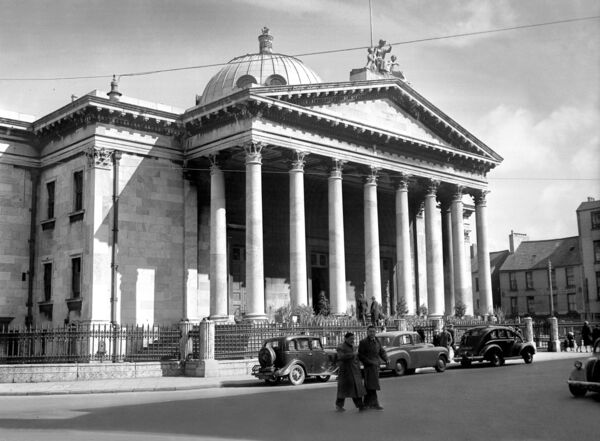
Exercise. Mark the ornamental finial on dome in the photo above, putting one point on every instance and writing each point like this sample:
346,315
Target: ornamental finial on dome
265,42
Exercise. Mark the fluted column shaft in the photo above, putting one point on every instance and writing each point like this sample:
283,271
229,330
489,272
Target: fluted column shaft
337,259
435,265
255,288
372,260
218,245
298,280
483,255
458,252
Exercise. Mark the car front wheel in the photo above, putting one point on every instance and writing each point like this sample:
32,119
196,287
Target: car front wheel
440,364
577,391
297,375
400,368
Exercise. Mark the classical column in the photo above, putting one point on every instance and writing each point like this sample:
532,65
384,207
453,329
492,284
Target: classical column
218,244
371,225
255,284
448,258
337,259
404,275
298,280
433,240
458,251
483,255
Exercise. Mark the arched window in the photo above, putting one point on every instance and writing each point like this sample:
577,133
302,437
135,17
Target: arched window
245,81
276,80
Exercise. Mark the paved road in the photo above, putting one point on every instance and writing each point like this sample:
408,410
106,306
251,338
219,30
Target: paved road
514,402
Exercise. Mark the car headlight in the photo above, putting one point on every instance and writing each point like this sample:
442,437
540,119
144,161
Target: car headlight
578,364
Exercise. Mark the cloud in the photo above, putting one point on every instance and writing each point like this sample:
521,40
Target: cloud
551,165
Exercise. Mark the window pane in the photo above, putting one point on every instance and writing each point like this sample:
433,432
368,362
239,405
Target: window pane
47,282
76,277
78,187
50,189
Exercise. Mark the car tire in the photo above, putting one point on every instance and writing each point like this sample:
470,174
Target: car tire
528,357
266,356
400,368
577,391
440,364
323,378
297,375
496,359
465,362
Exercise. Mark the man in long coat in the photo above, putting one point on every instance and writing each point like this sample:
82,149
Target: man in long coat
375,311
371,353
350,383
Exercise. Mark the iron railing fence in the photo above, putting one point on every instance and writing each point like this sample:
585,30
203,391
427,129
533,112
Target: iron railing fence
87,343
244,340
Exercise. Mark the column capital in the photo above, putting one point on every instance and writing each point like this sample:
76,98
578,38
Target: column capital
371,178
253,152
432,187
336,168
458,193
214,163
298,160
401,181
480,197
100,157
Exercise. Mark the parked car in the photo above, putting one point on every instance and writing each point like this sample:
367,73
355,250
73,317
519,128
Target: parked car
586,375
494,344
295,358
406,352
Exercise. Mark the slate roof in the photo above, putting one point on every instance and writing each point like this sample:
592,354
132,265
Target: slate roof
497,258
531,255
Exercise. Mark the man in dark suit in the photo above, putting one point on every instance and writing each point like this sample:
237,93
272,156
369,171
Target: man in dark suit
371,353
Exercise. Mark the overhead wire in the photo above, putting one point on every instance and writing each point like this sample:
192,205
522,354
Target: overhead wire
306,54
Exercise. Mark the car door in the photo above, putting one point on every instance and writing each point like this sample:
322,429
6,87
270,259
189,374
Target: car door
318,357
304,352
414,347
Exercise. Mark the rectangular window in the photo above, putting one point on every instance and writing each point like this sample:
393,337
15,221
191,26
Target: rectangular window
597,251
598,285
75,277
571,302
476,284
514,310
570,276
50,187
47,282
529,280
512,277
531,304
595,220
78,191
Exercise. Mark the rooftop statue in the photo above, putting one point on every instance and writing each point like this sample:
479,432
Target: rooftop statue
377,63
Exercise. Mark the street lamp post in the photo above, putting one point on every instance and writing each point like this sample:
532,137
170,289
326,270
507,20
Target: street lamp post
550,285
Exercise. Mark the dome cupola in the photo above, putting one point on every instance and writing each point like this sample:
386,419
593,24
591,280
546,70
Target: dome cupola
262,69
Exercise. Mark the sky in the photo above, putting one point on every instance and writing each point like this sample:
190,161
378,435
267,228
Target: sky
531,94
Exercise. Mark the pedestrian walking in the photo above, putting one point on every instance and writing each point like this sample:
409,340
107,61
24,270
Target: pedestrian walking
371,353
586,335
349,380
362,308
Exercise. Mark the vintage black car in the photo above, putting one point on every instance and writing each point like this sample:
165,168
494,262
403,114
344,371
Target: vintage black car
586,375
295,358
494,344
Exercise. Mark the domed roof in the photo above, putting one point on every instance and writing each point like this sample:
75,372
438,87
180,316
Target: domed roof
262,69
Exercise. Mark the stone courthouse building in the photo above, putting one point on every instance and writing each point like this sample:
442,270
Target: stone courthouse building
273,189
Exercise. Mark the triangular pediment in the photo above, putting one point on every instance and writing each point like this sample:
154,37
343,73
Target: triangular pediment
384,114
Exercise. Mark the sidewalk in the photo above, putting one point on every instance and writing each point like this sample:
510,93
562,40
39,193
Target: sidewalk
155,384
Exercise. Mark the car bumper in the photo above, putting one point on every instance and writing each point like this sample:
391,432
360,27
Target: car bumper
265,373
587,385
